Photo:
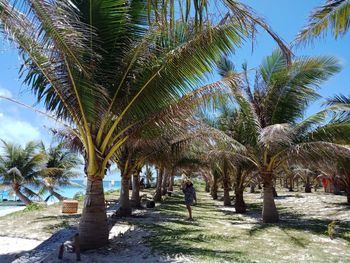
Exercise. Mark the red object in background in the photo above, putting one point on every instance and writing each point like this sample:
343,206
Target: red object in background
325,182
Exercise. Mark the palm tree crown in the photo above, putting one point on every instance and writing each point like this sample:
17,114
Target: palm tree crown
20,168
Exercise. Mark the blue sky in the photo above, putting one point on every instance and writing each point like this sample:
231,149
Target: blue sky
286,17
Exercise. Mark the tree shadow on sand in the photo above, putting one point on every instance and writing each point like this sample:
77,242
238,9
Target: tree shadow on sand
9,257
191,243
300,222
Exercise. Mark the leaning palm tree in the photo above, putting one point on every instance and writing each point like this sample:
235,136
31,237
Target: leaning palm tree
333,15
20,168
60,162
272,119
103,66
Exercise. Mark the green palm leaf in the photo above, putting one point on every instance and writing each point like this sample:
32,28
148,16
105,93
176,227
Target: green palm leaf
333,16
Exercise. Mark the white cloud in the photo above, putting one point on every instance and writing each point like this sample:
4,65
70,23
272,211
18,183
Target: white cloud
5,93
17,131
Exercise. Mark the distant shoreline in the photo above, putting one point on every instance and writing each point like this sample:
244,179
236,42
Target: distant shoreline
11,210
67,191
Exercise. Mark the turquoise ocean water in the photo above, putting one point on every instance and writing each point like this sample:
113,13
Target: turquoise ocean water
67,191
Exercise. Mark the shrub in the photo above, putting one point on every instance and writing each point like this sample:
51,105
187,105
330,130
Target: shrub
34,206
79,196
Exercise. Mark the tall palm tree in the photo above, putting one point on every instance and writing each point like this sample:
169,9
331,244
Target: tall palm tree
103,66
20,168
272,113
333,15
62,161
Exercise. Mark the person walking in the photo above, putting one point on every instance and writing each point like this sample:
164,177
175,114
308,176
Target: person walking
190,196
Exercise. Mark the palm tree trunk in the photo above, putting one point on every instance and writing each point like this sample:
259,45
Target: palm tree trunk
240,205
135,196
21,196
214,188
130,183
291,184
307,184
225,181
171,181
297,183
93,228
269,212
158,194
165,182
126,165
57,195
125,207
207,186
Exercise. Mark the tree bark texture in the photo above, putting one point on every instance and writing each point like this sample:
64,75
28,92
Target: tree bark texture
291,184
307,185
158,194
93,228
57,195
269,212
165,181
214,188
225,181
240,205
135,196
124,201
171,181
21,196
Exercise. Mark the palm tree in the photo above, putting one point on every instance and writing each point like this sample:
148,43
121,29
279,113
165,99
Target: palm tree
20,168
333,15
103,66
148,176
61,162
272,118
307,176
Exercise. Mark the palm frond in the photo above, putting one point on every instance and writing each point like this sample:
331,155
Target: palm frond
333,16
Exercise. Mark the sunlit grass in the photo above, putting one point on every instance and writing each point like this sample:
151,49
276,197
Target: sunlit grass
222,236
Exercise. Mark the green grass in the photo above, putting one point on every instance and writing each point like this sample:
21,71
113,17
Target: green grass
40,222
223,236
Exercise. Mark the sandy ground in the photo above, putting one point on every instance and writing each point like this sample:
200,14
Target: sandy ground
11,210
126,245
127,239
11,247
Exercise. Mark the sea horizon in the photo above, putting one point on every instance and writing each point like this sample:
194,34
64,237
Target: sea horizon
67,191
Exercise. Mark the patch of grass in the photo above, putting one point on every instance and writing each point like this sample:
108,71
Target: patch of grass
37,223
221,235
33,207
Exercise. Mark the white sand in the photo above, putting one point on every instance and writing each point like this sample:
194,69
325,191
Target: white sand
12,247
11,210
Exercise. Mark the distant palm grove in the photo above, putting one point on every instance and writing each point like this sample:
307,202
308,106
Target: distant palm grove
127,83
